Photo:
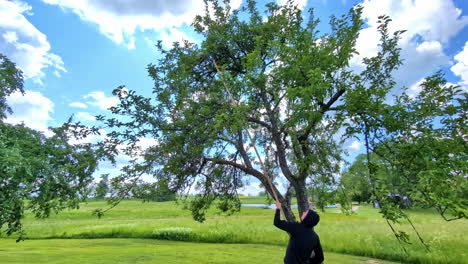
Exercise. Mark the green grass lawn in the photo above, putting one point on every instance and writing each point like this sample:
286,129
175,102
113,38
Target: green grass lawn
363,234
55,251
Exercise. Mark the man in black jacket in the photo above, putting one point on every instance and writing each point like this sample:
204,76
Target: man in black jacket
304,244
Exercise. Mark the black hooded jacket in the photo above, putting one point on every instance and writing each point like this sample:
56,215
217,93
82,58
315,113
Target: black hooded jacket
302,239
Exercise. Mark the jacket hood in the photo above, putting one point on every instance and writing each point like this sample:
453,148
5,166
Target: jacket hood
311,219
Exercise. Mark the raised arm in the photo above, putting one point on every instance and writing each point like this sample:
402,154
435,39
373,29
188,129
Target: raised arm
281,224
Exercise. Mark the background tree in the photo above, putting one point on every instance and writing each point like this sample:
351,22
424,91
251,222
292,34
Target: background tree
11,80
154,192
322,192
37,173
422,140
356,180
102,188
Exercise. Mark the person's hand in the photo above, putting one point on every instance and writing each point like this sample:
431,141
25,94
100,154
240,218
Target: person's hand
278,205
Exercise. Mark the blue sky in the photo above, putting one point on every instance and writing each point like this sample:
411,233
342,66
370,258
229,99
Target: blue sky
75,52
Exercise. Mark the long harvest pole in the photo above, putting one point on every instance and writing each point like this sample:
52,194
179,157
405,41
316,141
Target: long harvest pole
265,171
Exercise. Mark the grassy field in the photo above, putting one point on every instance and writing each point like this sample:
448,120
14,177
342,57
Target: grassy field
142,251
363,234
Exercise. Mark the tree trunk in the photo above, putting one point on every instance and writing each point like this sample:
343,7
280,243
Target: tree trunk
288,195
285,204
301,195
287,211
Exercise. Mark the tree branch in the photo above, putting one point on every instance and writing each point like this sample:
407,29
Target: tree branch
276,135
250,171
323,108
241,149
259,122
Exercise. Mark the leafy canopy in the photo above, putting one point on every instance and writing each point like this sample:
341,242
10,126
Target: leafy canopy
285,78
293,91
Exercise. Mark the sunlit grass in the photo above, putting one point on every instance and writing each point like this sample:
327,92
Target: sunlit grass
364,233
143,251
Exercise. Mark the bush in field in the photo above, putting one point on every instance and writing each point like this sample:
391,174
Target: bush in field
154,192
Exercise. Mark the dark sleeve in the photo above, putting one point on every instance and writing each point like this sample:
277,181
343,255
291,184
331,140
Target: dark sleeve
281,224
318,258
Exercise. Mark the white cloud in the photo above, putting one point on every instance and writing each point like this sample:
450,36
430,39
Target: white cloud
10,37
123,159
24,44
460,69
171,35
101,100
251,189
429,27
145,143
85,116
438,20
415,89
57,73
131,43
420,61
78,105
354,146
119,20
149,41
33,109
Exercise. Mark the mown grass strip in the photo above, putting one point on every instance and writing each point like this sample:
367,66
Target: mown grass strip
144,251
